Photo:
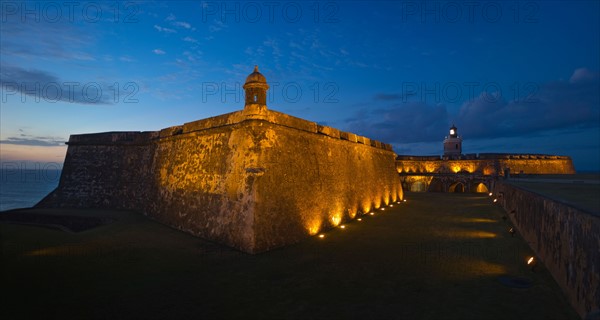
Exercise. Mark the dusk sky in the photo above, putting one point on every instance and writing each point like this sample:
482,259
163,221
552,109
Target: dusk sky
517,77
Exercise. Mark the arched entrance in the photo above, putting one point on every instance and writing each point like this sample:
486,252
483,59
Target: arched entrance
482,188
457,187
436,186
418,186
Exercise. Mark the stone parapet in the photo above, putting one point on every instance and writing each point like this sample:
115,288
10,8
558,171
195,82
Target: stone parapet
565,238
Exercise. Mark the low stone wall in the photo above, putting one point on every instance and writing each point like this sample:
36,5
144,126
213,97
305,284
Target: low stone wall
253,181
565,238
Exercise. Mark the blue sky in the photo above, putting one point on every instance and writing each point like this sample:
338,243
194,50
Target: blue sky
513,76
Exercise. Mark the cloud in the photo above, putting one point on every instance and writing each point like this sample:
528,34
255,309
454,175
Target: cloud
295,45
553,106
388,97
165,30
48,142
182,24
217,26
401,122
49,88
24,139
274,46
44,40
190,39
158,51
583,75
192,57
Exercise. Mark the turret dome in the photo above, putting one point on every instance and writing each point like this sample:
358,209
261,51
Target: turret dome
255,77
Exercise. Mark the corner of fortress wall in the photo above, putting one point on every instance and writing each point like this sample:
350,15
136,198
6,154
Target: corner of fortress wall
253,181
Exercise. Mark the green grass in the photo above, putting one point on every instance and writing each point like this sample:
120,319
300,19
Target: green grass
437,256
581,195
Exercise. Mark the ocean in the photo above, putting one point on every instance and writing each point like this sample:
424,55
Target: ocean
23,188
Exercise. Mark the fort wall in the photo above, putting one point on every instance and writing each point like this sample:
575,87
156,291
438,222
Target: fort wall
487,164
565,238
254,180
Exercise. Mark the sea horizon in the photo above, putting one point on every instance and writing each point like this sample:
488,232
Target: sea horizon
24,188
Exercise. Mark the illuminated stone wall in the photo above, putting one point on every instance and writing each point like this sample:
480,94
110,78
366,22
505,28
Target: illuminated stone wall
254,180
488,164
566,239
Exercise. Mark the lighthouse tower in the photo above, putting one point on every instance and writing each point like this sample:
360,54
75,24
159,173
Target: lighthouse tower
453,144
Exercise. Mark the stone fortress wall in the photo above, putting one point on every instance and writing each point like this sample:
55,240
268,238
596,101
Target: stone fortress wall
255,179
487,164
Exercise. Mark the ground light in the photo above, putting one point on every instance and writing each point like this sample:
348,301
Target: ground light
495,200
321,236
512,231
490,194
531,262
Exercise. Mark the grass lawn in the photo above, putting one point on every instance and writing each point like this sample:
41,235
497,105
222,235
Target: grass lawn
437,256
581,190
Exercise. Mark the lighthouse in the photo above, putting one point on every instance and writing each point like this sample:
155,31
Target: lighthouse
453,144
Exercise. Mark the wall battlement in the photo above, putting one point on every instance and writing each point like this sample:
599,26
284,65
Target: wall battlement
144,137
115,137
